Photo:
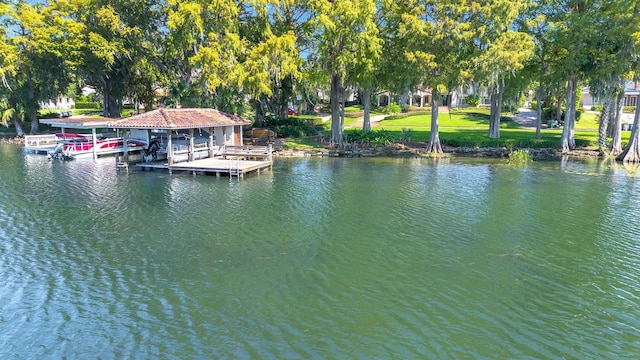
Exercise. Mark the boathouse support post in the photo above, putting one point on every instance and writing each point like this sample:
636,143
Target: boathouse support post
169,148
191,145
210,145
125,149
95,143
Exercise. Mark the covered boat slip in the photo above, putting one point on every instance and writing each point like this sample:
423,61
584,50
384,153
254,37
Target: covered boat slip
81,144
201,141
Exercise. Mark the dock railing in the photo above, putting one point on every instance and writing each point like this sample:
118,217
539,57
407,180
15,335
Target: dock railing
36,141
248,151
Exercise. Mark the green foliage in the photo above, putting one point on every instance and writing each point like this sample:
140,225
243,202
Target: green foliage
596,107
294,126
406,115
378,137
549,113
392,108
473,100
87,105
405,135
302,144
520,157
348,46
629,109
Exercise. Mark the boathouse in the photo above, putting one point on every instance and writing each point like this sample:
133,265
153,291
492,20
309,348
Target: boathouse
82,143
195,140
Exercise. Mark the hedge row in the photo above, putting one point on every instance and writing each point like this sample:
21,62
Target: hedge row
87,105
406,115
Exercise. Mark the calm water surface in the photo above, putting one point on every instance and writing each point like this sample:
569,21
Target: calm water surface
322,258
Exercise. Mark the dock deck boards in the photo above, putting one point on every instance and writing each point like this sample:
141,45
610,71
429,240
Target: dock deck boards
217,166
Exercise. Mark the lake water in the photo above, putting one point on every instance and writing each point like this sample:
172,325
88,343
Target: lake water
320,258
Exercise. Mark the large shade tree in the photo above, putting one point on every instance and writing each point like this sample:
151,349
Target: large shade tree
113,38
439,36
34,60
630,11
343,29
275,32
203,52
501,51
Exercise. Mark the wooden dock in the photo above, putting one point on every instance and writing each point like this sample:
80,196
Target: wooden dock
211,166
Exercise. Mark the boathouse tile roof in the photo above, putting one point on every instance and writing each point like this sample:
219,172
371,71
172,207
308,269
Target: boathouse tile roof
179,119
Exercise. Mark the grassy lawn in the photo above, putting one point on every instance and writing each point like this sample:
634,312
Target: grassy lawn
87,112
588,121
446,120
511,138
468,128
486,110
302,144
348,122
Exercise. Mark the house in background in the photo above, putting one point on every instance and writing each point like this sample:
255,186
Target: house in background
631,93
64,103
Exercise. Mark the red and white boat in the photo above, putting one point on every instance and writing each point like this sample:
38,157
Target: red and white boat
81,145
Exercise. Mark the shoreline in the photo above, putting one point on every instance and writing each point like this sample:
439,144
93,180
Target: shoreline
410,150
399,150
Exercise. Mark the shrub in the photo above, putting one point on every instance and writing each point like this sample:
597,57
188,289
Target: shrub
406,115
289,131
520,157
549,113
629,109
417,108
596,107
294,126
374,137
405,135
473,100
392,108
86,105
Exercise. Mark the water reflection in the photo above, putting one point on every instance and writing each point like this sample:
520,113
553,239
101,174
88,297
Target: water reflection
324,258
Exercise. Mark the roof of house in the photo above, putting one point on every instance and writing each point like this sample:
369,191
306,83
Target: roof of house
178,119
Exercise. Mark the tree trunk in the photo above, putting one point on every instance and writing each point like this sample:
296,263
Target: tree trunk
366,102
568,139
257,109
35,123
334,98
18,124
603,128
434,141
632,152
616,140
17,121
343,103
112,105
285,95
572,122
31,110
539,110
496,112
403,98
